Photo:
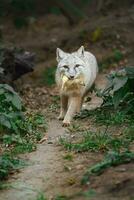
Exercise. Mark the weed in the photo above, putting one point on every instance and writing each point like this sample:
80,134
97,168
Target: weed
41,196
68,157
28,132
111,118
107,115
119,92
86,194
129,133
23,148
54,107
111,159
89,194
101,141
56,99
8,163
61,197
75,127
5,185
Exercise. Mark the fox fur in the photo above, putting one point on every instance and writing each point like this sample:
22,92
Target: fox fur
81,69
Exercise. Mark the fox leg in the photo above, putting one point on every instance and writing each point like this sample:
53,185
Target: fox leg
64,104
73,107
79,104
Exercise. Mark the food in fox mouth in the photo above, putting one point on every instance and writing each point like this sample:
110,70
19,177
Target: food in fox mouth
66,82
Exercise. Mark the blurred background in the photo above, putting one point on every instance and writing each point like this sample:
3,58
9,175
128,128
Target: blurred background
104,27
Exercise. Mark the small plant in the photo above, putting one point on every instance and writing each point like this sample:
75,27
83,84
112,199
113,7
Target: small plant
41,196
10,107
8,164
75,127
111,159
25,133
68,157
61,197
110,117
89,194
120,91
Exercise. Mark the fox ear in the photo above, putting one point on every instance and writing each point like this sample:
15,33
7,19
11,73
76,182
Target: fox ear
60,54
80,51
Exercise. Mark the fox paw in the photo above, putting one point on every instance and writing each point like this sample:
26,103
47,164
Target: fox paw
60,117
66,123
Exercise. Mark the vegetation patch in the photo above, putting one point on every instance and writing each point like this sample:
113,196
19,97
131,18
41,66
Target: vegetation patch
19,130
111,159
100,141
119,92
68,157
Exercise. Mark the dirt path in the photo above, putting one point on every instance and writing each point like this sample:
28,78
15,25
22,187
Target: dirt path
41,174
47,173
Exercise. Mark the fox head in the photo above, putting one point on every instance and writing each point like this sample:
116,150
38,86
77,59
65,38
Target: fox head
70,64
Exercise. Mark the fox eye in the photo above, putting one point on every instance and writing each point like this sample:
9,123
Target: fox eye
77,65
65,66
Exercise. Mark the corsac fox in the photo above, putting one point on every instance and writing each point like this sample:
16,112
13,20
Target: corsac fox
75,74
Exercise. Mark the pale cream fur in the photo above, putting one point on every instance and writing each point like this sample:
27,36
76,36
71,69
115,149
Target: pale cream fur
73,91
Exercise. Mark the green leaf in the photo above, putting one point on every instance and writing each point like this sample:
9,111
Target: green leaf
9,97
119,82
4,121
16,101
7,87
117,55
130,72
119,95
2,91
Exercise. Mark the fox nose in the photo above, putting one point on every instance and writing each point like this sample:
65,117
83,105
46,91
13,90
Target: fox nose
71,77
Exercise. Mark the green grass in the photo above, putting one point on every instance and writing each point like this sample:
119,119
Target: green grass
68,157
107,116
89,194
41,196
61,197
29,131
100,141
